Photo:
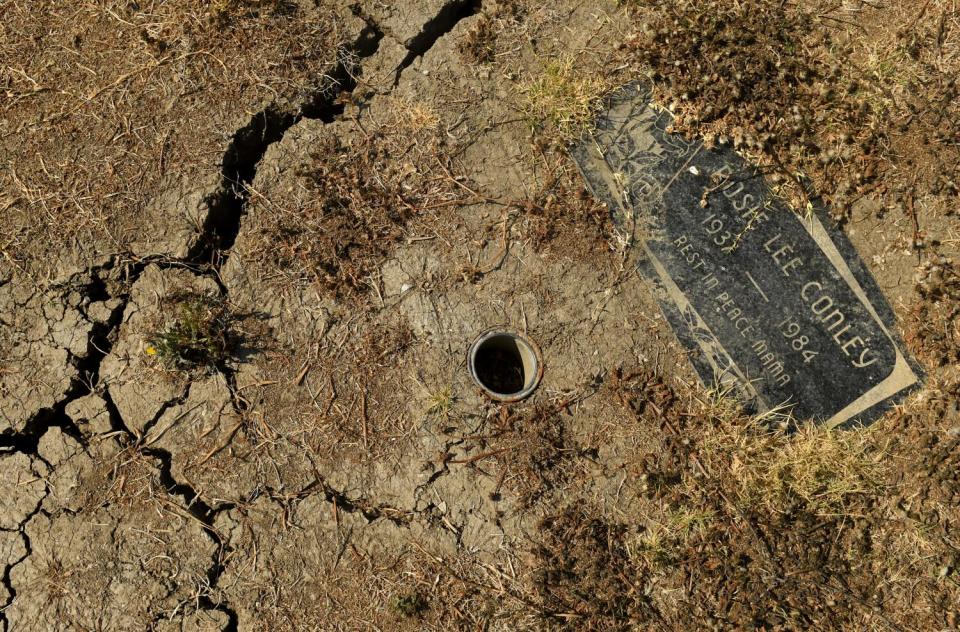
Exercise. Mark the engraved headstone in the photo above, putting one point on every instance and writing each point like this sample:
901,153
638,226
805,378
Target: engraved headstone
772,305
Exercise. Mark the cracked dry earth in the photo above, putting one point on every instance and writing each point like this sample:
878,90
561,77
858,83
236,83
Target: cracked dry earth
340,471
287,490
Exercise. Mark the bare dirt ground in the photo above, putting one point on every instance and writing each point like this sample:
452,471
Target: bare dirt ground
245,245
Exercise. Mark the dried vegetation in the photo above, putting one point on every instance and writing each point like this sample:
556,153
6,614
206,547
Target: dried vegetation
762,527
738,526
735,524
562,217
859,97
364,191
354,405
483,43
935,333
535,454
562,102
107,100
585,579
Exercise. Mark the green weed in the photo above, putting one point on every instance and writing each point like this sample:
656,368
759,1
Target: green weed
410,605
199,334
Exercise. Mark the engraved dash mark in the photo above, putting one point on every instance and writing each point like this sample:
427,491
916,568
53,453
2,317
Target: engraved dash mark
756,286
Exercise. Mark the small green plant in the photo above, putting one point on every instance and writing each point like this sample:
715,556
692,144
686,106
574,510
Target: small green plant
199,334
410,605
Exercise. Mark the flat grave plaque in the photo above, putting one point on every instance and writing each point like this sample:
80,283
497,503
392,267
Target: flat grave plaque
775,306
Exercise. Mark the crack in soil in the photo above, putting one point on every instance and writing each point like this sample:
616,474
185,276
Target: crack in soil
191,501
363,506
206,515
190,497
8,584
219,232
167,405
88,373
441,24
442,471
250,143
27,551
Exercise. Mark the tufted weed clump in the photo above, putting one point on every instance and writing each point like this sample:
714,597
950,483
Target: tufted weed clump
199,334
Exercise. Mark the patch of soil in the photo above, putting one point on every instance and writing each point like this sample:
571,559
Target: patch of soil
44,337
107,534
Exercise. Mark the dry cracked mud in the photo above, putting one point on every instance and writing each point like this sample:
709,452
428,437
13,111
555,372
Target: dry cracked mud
246,245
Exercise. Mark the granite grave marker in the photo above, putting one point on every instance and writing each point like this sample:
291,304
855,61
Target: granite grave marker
774,305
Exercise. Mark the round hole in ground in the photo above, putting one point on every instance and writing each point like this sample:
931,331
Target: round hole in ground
505,365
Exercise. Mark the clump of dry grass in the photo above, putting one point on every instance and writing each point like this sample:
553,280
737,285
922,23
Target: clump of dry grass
815,469
731,500
479,44
664,540
535,455
562,217
482,44
440,402
562,102
766,463
826,471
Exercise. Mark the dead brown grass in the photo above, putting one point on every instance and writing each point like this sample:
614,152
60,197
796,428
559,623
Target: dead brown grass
364,191
535,454
107,102
564,219
735,526
491,36
935,327
480,43
585,577
826,473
